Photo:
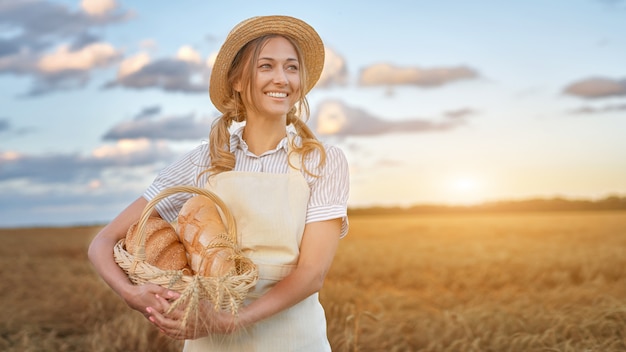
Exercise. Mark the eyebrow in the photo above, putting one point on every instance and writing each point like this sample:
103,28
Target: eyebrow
272,59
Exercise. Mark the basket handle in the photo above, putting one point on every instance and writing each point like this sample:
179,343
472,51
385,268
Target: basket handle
231,229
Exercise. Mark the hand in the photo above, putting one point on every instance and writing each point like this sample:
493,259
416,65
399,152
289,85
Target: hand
139,297
182,324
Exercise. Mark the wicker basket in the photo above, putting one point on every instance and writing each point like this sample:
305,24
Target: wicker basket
226,293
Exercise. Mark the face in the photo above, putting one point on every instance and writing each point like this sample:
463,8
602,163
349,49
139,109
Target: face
276,83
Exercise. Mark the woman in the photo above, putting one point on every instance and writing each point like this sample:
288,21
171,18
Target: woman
287,191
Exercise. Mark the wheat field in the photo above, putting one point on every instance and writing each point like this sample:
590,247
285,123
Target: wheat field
507,282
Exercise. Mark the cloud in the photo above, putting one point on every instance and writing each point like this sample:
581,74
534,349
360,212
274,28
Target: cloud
97,7
386,74
62,206
387,162
84,59
188,54
66,69
57,81
459,113
32,28
335,71
185,73
7,129
172,75
148,112
596,87
132,64
68,168
66,188
593,110
210,60
5,125
148,44
338,119
611,2
35,21
145,125
88,201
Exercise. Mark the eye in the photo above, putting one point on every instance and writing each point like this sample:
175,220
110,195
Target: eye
293,67
265,66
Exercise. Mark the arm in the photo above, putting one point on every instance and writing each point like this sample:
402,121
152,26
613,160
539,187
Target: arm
101,256
317,250
326,223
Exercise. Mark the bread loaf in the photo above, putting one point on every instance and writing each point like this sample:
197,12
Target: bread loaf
163,248
202,232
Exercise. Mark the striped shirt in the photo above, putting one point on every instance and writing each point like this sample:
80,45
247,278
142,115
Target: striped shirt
329,191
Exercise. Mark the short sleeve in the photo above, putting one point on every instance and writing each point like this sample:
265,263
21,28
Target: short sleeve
186,171
330,191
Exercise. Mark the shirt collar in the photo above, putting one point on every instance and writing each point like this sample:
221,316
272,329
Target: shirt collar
236,139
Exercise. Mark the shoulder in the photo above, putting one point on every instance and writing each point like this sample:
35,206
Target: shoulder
190,161
199,153
334,153
336,163
327,162
333,156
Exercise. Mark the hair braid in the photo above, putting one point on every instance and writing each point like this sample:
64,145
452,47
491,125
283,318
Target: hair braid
309,143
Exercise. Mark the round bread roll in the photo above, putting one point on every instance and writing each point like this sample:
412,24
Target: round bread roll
199,227
163,248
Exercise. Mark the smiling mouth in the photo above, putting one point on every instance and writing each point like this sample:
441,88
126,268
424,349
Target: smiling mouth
276,94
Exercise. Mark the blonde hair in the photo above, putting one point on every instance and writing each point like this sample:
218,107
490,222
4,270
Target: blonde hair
243,70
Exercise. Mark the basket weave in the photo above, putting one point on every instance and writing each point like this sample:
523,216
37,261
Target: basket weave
226,293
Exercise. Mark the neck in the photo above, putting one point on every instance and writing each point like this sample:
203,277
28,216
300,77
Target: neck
261,136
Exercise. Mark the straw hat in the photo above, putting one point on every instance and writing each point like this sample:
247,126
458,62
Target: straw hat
302,33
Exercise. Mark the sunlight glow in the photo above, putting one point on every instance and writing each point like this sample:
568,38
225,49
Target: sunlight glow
464,189
464,184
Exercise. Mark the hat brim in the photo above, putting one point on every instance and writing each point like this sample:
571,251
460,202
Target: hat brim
302,33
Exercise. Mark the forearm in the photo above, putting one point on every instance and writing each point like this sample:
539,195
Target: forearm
297,286
319,244
101,256
101,248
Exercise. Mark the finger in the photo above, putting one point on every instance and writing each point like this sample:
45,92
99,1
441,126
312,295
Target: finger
171,309
162,304
161,291
164,292
172,295
168,326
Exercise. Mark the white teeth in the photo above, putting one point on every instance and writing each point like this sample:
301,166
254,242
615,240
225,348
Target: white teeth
276,94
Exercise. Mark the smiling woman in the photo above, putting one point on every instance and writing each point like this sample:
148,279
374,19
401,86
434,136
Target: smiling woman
286,191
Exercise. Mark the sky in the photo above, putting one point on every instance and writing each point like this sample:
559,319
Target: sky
433,102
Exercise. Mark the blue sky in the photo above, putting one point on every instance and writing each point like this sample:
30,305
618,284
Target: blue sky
433,102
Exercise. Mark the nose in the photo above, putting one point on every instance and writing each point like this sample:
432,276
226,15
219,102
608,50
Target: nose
280,77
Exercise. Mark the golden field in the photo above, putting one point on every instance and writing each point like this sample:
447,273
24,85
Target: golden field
550,281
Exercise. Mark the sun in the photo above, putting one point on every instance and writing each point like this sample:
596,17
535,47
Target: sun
464,184
464,189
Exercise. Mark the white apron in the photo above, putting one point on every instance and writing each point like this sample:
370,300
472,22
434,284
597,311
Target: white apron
270,213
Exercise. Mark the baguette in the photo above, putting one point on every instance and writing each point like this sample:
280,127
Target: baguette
201,230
